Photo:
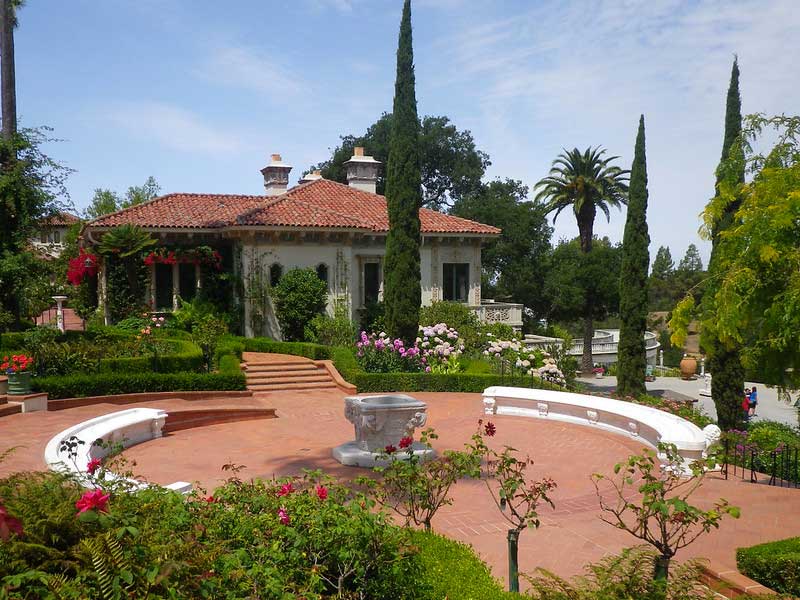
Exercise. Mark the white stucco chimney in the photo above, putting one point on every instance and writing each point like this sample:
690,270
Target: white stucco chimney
276,176
362,171
311,176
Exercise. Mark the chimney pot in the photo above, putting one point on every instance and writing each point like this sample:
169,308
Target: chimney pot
362,171
276,176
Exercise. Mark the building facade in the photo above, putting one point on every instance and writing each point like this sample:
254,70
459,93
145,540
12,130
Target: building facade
338,230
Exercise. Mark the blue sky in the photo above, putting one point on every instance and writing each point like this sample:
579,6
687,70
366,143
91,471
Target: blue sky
199,93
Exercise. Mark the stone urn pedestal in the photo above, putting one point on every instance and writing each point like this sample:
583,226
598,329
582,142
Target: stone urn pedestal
380,421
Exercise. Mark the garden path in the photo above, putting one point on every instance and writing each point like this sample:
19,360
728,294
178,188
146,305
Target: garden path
310,423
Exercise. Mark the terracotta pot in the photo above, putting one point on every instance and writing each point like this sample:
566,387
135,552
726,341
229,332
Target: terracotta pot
19,384
688,367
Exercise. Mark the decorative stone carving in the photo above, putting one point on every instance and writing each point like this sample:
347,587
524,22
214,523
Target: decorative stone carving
381,421
634,428
592,416
489,406
542,409
712,434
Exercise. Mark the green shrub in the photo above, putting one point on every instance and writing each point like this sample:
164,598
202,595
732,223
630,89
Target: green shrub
775,565
229,364
158,544
103,384
767,435
437,382
338,330
499,331
182,356
454,571
14,339
456,315
373,318
299,296
206,333
312,351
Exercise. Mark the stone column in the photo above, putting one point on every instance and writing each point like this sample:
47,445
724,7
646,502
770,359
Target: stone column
151,293
60,312
176,285
198,281
102,291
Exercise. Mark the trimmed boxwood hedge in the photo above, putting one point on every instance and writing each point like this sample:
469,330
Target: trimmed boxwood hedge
104,384
775,565
452,570
187,356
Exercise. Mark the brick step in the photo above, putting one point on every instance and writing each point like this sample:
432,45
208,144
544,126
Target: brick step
290,379
272,368
11,408
278,363
189,419
277,387
3,399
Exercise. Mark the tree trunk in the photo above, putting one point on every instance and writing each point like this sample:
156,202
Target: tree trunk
586,232
661,568
7,73
587,363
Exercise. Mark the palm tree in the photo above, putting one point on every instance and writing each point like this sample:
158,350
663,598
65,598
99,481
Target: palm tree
586,181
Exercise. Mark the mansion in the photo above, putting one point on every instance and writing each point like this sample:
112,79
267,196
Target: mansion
338,230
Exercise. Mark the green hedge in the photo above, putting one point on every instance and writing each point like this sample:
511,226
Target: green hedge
12,340
186,357
454,571
309,350
432,382
775,565
229,365
104,384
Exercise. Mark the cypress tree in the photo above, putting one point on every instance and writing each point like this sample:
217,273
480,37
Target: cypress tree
632,358
402,288
723,356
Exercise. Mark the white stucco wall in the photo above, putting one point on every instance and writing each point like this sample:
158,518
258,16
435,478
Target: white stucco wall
345,266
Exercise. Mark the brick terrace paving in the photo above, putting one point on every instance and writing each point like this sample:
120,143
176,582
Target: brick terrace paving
311,423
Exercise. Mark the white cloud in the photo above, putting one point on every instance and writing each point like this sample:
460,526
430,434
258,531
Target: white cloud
563,74
173,127
242,67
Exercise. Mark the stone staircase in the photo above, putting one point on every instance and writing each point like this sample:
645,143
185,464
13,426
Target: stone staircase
280,372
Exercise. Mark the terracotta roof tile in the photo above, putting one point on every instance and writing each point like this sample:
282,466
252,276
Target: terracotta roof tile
320,203
61,219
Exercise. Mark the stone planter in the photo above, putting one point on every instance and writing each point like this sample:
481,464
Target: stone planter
598,375
380,421
688,367
19,384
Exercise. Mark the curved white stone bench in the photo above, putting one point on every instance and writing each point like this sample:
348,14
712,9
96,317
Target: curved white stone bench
650,425
126,427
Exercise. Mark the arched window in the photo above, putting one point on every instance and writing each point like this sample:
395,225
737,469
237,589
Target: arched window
322,272
275,274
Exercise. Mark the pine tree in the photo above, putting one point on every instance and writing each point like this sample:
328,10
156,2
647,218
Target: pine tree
403,290
691,261
723,356
633,279
663,265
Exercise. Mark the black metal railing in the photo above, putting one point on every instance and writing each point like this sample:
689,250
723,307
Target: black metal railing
779,467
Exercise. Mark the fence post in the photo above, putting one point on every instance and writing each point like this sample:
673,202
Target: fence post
726,444
772,477
753,478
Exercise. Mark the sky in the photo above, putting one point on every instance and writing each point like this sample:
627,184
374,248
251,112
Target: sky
199,93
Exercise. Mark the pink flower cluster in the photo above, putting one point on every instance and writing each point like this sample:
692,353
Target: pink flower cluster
93,500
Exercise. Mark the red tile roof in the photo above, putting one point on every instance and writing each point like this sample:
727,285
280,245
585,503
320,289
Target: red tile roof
61,219
320,203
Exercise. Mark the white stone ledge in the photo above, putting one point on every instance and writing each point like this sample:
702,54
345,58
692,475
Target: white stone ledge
650,425
126,427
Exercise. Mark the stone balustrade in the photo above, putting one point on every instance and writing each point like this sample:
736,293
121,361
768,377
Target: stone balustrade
125,427
508,313
650,425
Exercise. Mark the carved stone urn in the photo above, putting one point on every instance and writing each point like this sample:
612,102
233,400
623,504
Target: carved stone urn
381,421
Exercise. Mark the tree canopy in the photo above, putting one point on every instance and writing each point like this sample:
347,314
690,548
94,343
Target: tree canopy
515,265
663,265
691,261
755,303
451,166
106,201
580,282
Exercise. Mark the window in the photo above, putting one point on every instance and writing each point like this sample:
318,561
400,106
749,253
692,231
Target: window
275,274
187,282
372,282
322,272
456,281
163,287
43,237
56,237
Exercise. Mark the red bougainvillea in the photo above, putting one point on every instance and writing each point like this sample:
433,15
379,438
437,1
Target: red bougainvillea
202,255
85,265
